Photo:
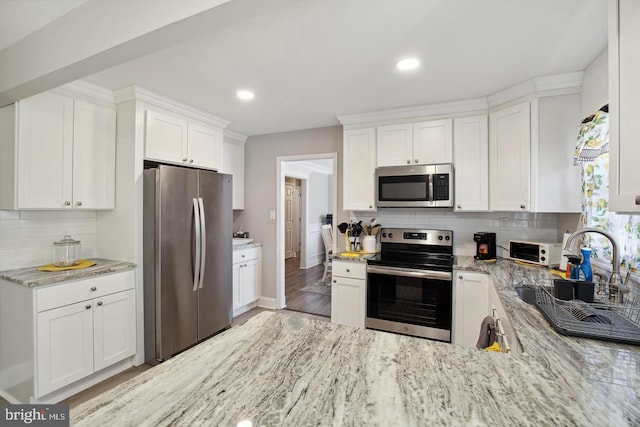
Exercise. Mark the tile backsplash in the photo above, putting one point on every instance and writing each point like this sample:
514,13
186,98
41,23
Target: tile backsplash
26,237
506,225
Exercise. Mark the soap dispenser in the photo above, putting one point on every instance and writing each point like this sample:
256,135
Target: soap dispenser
585,265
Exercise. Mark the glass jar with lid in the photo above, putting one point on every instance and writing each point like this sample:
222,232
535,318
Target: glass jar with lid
66,252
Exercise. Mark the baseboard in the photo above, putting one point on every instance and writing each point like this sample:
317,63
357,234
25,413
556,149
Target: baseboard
269,303
241,310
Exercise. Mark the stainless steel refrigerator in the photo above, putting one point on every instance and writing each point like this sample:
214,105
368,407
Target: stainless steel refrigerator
187,251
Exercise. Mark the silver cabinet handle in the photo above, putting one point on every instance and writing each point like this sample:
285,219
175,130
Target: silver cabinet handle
203,249
99,303
196,261
335,281
88,306
409,272
94,288
459,206
416,160
190,160
184,159
408,162
243,255
348,271
67,203
370,207
78,203
523,206
460,277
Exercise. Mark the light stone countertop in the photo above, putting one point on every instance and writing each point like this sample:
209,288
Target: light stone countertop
247,246
279,369
31,277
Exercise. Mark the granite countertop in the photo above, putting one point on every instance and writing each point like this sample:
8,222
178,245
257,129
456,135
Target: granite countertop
279,369
362,257
31,277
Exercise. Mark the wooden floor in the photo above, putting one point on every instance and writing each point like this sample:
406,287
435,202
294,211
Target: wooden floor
299,300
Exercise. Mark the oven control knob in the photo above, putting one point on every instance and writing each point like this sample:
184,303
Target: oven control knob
439,237
542,251
542,258
384,234
447,238
390,235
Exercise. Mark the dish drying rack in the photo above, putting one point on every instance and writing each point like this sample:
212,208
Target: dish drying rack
501,336
602,319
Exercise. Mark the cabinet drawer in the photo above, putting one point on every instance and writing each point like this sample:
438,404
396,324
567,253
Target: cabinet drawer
81,290
355,270
245,254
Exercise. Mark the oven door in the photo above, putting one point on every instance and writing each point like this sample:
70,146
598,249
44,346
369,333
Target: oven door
409,301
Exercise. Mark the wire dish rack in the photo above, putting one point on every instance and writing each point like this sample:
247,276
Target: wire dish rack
604,320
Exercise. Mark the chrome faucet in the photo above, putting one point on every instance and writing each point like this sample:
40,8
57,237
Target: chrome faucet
615,285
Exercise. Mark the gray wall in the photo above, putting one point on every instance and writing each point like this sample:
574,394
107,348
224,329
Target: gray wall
319,196
260,186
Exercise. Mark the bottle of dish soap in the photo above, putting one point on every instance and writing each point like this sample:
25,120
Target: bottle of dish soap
585,265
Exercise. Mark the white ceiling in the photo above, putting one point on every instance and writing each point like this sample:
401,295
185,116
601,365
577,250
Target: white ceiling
310,61
19,18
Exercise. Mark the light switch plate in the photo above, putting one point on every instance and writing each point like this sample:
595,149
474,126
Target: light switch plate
272,214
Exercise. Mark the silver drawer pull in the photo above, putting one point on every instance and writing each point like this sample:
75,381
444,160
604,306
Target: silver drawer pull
78,203
88,306
93,289
348,271
99,303
67,203
184,159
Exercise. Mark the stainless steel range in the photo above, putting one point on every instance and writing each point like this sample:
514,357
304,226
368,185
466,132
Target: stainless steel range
409,283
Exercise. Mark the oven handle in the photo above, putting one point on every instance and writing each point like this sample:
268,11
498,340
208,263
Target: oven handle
407,272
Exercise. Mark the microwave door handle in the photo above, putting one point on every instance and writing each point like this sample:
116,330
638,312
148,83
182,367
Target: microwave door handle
430,187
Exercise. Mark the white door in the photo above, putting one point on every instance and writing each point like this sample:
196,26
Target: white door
394,145
114,328
64,352
624,92
471,305
166,138
45,151
348,301
204,146
235,284
509,158
471,163
249,281
94,156
297,218
358,178
432,142
288,221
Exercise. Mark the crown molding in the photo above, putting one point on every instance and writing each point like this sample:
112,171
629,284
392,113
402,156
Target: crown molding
451,107
235,137
540,87
141,94
86,89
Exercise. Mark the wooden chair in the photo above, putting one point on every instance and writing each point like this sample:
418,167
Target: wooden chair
327,238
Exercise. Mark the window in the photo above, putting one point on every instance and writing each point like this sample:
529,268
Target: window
592,153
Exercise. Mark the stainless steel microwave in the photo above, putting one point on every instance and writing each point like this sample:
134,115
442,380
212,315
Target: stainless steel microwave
426,186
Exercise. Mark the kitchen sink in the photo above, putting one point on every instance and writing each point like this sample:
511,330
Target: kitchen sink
526,294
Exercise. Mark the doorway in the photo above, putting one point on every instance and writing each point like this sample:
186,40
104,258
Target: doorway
307,198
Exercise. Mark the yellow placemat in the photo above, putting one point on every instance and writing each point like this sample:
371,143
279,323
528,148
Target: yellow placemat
82,263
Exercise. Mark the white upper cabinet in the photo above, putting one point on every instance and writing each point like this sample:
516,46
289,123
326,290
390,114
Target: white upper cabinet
432,142
233,164
359,165
395,145
57,153
624,92
509,158
173,138
471,163
422,143
556,183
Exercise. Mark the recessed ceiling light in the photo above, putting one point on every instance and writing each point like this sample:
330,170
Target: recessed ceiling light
407,64
245,95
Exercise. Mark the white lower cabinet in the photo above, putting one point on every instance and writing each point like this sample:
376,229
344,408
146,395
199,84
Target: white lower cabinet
81,332
471,304
246,272
348,293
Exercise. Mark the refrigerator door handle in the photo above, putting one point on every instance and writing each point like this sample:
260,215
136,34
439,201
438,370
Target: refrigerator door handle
203,239
197,221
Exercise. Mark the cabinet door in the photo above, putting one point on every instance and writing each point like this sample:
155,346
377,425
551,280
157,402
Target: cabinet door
471,163
470,306
204,146
166,137
114,328
250,282
235,284
358,178
509,158
64,351
348,301
394,145
624,92
432,142
94,156
233,164
45,151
